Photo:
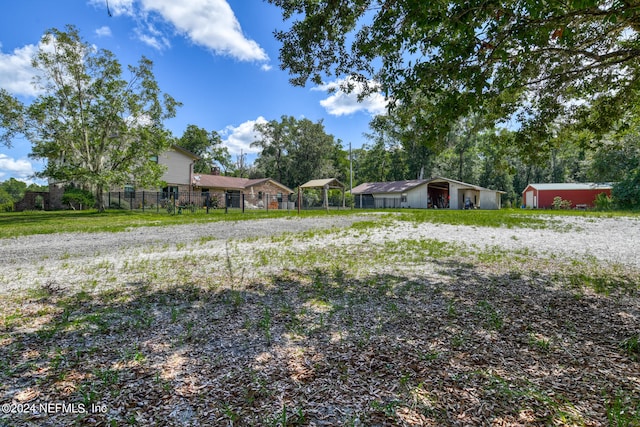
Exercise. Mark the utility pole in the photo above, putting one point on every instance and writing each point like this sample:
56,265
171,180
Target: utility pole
350,169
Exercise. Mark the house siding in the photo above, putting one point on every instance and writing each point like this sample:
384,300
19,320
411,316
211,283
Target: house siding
178,167
417,198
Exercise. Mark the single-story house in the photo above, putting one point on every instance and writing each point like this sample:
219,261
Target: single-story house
258,193
580,194
441,193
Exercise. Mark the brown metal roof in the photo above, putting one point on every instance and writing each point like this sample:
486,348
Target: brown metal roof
387,187
402,186
231,182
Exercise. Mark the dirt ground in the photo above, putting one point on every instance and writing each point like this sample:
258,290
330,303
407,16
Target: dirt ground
304,322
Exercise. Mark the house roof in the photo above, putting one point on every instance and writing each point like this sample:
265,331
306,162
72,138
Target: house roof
320,183
402,186
185,152
388,187
571,186
232,183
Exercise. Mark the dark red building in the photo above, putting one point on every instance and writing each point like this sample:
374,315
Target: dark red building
580,194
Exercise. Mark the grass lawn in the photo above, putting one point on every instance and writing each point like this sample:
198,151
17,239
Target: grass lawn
91,221
324,327
47,222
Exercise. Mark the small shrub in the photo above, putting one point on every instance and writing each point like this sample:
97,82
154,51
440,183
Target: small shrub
603,202
560,203
78,198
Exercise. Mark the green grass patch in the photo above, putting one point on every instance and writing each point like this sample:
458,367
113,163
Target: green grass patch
509,218
91,221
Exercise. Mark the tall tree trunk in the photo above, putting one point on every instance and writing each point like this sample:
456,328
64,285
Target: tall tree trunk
99,198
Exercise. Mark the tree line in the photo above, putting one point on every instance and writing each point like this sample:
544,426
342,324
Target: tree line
294,151
98,127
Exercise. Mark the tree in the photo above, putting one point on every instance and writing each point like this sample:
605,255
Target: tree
295,151
538,63
14,188
96,129
11,118
275,142
207,145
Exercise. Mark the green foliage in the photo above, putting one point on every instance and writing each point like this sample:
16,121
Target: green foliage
296,151
6,201
94,127
208,146
522,60
78,198
626,193
603,202
560,203
13,190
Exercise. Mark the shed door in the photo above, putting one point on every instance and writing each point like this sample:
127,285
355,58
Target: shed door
529,199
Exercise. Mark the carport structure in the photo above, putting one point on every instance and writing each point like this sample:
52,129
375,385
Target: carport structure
326,185
438,192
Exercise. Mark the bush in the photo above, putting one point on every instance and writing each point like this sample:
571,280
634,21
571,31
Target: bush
603,202
559,203
626,193
77,197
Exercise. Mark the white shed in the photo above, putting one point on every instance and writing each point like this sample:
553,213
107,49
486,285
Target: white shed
441,193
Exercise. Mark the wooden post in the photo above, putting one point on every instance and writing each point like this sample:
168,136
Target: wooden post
299,199
326,196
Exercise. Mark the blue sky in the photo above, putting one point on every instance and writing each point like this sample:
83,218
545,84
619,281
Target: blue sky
218,57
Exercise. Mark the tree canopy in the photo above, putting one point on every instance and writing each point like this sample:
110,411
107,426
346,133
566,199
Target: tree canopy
535,63
295,151
95,128
207,145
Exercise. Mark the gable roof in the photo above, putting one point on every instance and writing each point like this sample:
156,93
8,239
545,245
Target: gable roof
320,183
232,183
185,152
571,186
403,186
388,187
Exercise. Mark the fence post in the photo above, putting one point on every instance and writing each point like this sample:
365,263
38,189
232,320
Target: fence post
267,194
142,200
157,202
242,200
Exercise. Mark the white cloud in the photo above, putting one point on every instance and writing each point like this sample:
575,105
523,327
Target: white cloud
103,31
115,7
16,72
21,169
208,23
340,103
239,138
266,67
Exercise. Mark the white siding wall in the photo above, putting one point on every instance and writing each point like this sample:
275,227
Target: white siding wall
489,200
454,193
417,198
178,167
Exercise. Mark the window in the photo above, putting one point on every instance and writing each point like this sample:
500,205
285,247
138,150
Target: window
154,159
259,195
403,197
129,191
170,192
279,196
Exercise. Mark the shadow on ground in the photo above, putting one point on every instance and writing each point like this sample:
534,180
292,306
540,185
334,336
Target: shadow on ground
322,348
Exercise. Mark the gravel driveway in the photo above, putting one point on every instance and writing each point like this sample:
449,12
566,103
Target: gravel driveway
32,260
